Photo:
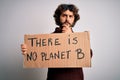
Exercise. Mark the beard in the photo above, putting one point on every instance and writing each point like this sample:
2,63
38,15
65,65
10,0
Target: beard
66,22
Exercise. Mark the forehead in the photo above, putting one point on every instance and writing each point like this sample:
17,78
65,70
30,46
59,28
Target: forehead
67,12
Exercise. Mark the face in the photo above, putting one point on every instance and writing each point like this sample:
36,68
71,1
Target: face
67,20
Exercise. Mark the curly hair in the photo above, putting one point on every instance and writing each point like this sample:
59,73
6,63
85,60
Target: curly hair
63,7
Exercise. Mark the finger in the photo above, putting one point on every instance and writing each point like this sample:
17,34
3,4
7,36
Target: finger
23,46
24,52
24,49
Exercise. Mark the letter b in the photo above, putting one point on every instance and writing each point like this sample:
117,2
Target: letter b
80,54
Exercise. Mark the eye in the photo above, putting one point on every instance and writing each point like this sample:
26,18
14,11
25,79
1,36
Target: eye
71,16
64,15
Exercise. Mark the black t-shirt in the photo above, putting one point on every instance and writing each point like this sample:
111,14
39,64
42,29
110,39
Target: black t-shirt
65,74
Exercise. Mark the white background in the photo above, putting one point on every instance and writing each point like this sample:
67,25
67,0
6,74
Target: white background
19,17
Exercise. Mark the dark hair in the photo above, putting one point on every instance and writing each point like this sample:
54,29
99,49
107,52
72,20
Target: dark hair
63,7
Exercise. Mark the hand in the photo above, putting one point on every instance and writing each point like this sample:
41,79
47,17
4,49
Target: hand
66,28
24,49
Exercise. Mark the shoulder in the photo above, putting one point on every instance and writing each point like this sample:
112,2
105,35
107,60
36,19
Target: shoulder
57,30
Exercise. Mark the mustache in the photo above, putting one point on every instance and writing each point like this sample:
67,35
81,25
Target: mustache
67,23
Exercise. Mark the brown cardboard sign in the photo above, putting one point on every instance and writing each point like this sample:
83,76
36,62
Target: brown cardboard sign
57,50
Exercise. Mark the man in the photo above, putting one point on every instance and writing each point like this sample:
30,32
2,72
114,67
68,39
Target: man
66,15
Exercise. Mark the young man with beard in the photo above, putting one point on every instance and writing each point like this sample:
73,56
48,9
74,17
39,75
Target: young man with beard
66,15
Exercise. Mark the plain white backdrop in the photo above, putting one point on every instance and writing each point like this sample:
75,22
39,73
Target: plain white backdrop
19,17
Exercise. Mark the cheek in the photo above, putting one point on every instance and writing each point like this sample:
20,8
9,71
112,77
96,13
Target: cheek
62,19
72,20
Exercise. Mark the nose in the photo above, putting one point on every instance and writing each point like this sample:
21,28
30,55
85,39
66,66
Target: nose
67,18
67,21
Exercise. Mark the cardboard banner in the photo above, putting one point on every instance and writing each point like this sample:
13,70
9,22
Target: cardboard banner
57,50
